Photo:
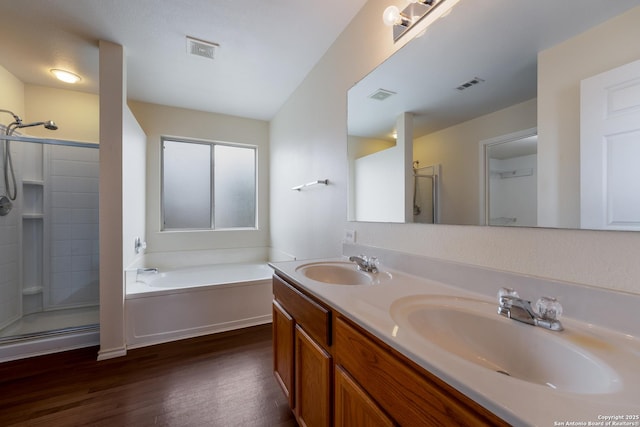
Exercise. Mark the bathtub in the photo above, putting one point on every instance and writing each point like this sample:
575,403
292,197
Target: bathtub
185,302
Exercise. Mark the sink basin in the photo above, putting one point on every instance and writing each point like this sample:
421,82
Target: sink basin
339,273
472,330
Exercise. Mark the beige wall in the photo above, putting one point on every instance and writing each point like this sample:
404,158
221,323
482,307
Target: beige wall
560,70
457,151
77,114
308,138
157,121
12,91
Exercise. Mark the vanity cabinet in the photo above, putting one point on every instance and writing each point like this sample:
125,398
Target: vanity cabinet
409,394
335,373
283,344
303,364
353,406
313,368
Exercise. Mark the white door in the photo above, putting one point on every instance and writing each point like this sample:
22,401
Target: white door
610,149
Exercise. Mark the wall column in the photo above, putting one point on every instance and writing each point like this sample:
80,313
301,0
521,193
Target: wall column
112,107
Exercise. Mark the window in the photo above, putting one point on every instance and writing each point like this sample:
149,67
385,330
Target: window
208,185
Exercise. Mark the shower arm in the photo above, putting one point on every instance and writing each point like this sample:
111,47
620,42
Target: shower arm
7,161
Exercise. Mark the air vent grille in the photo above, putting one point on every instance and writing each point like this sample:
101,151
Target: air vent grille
381,94
201,48
466,85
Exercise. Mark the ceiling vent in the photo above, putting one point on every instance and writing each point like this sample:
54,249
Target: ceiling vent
201,48
381,94
466,85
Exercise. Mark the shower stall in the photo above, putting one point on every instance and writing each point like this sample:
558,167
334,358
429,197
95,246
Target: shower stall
425,193
49,259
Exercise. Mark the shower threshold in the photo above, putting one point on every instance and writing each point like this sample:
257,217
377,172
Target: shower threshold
48,334
51,323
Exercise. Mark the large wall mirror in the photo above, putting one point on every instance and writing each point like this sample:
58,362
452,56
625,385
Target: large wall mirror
478,119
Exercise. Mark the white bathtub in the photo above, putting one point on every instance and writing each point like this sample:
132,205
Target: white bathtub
186,302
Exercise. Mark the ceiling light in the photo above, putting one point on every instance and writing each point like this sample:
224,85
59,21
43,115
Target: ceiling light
403,21
65,76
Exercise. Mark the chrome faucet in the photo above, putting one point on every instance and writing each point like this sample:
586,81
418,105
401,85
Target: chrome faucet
365,263
516,308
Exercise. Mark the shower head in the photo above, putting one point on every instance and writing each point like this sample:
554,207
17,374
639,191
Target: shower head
17,124
49,124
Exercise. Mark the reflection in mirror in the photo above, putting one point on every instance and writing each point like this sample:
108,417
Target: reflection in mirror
511,181
489,69
425,193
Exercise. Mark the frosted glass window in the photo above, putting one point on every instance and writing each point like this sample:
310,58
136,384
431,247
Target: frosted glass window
186,185
235,187
207,185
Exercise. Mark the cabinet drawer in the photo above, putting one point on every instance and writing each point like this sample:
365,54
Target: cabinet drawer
411,397
311,316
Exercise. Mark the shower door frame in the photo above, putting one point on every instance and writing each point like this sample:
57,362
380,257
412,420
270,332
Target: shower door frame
46,233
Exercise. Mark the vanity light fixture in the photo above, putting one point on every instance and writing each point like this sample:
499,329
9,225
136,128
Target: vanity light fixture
65,76
416,11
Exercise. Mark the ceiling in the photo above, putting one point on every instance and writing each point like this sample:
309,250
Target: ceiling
266,47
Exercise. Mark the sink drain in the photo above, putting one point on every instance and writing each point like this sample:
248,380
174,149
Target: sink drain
503,373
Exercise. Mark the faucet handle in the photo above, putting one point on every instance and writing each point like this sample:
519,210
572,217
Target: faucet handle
506,292
549,308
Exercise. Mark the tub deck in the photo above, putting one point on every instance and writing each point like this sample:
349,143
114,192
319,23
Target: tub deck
169,307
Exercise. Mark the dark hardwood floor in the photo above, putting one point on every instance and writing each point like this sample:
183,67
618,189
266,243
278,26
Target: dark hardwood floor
217,380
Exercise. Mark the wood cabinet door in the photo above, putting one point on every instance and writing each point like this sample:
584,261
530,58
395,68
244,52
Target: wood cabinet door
353,406
283,343
313,372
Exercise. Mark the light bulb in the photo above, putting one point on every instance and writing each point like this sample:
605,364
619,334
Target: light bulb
391,16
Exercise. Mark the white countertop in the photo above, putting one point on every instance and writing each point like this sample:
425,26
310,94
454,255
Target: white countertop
516,401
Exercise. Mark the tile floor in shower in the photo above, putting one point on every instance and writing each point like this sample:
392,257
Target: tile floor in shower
52,320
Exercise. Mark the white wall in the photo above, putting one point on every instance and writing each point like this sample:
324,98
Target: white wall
158,121
560,70
513,197
112,131
308,138
378,184
134,178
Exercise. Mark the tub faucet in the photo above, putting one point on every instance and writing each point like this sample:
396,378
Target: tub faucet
516,308
146,271
367,264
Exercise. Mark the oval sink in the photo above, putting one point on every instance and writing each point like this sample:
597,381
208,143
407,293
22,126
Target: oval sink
471,329
339,273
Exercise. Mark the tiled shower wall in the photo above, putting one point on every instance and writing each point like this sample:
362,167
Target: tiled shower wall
10,308
73,200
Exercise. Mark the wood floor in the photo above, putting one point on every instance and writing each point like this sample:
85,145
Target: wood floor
218,380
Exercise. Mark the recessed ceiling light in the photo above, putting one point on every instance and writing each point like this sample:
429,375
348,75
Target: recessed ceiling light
65,76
